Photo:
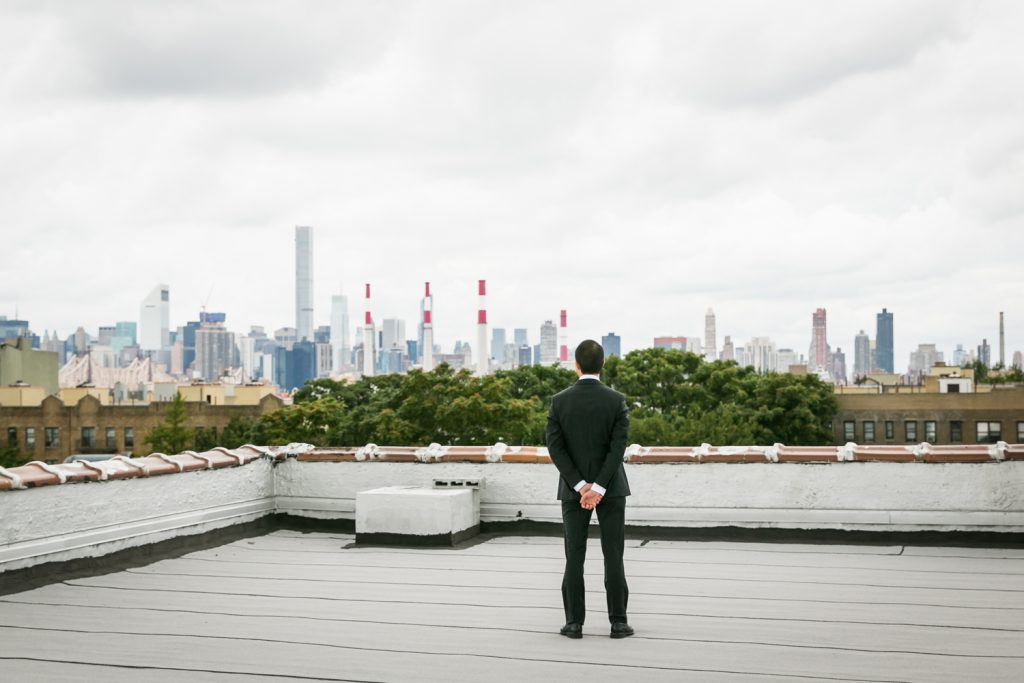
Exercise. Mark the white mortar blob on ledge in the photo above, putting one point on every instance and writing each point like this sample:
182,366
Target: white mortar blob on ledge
409,515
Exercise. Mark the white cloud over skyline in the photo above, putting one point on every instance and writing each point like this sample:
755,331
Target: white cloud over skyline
634,164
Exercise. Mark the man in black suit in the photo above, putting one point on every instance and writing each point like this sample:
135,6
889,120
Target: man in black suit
588,425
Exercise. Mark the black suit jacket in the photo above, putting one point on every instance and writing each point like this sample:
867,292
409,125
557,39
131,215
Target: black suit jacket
588,425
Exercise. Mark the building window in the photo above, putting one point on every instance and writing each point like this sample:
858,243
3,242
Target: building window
849,431
1020,432
956,431
952,388
910,429
51,437
111,438
869,431
30,439
12,437
88,437
990,432
890,429
129,437
931,431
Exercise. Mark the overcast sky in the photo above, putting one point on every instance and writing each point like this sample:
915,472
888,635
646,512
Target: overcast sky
634,163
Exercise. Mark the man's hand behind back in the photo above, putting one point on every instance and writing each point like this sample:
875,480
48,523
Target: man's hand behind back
589,498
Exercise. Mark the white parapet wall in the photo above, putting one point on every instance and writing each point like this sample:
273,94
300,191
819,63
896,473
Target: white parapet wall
876,496
74,521
81,520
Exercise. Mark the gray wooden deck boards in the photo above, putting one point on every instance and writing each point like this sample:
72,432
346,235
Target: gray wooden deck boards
299,606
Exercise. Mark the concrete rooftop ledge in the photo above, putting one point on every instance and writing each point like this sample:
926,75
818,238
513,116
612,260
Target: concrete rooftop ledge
761,492
37,473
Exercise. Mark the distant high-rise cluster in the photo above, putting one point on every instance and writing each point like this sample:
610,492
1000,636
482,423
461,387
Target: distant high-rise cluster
304,282
205,350
884,355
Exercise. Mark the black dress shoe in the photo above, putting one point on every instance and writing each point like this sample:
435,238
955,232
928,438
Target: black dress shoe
572,630
621,629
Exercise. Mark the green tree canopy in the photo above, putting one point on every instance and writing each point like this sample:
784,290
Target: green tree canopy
172,435
675,398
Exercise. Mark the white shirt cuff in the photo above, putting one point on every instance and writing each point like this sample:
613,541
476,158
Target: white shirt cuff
580,485
599,490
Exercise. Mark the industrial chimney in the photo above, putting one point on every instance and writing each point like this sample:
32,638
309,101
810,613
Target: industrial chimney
368,338
563,339
482,357
428,331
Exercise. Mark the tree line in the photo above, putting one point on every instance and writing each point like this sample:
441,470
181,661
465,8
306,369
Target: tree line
675,398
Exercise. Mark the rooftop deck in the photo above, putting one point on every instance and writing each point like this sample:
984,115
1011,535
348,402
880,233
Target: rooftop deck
309,606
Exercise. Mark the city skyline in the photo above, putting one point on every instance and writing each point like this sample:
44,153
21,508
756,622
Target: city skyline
821,333
624,168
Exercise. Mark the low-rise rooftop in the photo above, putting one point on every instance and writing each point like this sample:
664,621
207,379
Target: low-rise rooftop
310,606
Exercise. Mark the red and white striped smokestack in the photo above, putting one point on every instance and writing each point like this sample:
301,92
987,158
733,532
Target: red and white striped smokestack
563,339
368,338
428,331
482,356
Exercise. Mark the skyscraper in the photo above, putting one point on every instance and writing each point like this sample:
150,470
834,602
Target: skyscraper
520,336
393,335
923,359
498,344
838,369
884,341
1002,342
728,349
710,336
612,344
762,355
548,343
155,319
304,282
959,355
985,353
861,354
341,340
818,355
215,347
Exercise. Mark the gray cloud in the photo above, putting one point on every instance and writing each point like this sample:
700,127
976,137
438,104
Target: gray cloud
634,164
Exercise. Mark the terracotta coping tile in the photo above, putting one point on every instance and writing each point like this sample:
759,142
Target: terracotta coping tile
522,457
1014,451
328,455
478,456
468,449
5,484
156,466
815,456
190,461
398,457
219,459
883,454
79,471
36,474
656,458
744,457
966,456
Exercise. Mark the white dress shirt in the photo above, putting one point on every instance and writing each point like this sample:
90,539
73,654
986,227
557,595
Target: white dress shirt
599,490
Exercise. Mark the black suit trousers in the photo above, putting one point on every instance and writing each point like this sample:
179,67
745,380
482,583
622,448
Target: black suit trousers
611,515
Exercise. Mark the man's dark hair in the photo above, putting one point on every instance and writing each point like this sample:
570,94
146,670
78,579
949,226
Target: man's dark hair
590,356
